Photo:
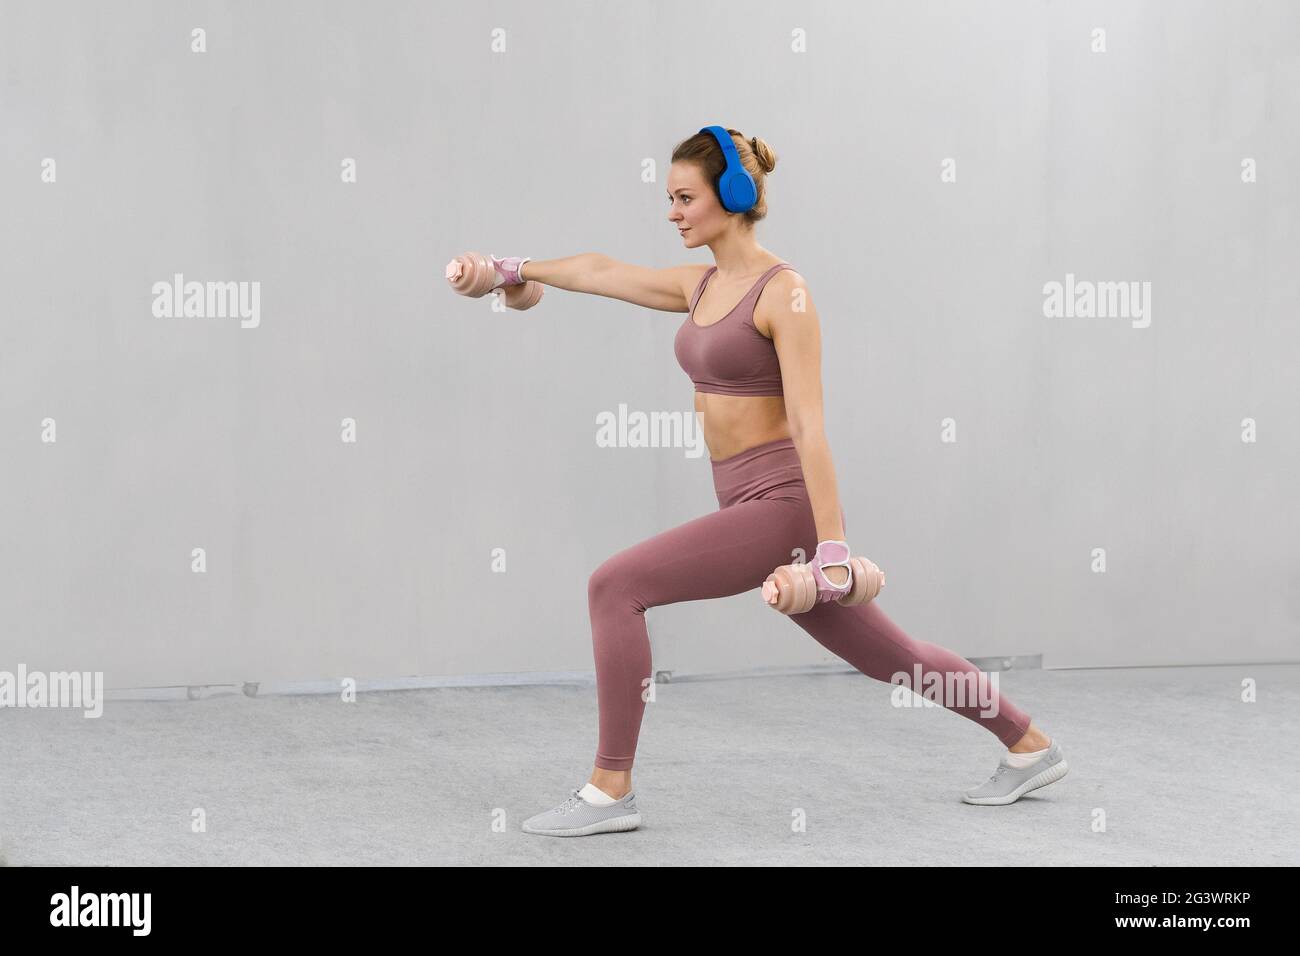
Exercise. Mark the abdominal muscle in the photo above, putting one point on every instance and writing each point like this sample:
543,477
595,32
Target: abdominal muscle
734,423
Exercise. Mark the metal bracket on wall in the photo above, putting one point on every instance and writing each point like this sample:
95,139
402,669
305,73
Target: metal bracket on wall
1015,662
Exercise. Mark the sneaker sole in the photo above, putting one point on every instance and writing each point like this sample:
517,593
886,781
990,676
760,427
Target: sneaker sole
1050,775
615,825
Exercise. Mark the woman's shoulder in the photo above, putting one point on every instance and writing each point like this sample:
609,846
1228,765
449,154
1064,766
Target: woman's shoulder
787,279
785,294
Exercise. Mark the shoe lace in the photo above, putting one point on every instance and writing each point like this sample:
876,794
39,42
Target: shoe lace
572,803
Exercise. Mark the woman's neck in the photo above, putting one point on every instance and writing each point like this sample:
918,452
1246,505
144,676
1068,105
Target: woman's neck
739,254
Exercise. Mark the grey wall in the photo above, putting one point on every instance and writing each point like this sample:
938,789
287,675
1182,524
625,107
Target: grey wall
476,430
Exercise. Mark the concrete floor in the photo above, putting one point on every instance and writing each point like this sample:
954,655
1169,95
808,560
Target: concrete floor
1181,771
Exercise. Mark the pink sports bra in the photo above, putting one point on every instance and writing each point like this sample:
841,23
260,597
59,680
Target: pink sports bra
730,357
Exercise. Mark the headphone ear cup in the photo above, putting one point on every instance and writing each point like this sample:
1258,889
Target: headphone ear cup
748,190
738,190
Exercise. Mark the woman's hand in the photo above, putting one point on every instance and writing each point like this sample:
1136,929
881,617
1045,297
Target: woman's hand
832,558
830,575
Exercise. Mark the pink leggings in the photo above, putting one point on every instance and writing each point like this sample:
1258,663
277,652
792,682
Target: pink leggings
764,515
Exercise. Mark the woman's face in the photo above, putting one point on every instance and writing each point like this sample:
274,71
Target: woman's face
693,207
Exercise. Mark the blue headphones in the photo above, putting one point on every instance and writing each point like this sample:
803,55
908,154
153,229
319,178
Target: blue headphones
735,185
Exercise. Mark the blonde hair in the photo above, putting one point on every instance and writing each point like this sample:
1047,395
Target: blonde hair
755,155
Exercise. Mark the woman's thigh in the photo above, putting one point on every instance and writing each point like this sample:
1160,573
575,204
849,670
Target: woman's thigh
727,552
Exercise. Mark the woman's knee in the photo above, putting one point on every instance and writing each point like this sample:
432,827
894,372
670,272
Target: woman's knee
611,581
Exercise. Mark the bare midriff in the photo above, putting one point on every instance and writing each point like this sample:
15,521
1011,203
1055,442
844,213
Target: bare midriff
734,423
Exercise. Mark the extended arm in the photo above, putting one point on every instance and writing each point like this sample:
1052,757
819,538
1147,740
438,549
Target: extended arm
597,274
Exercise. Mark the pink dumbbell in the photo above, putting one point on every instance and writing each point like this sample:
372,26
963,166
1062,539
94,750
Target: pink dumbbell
791,588
474,274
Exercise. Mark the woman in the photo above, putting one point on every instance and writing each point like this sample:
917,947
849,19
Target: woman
751,344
